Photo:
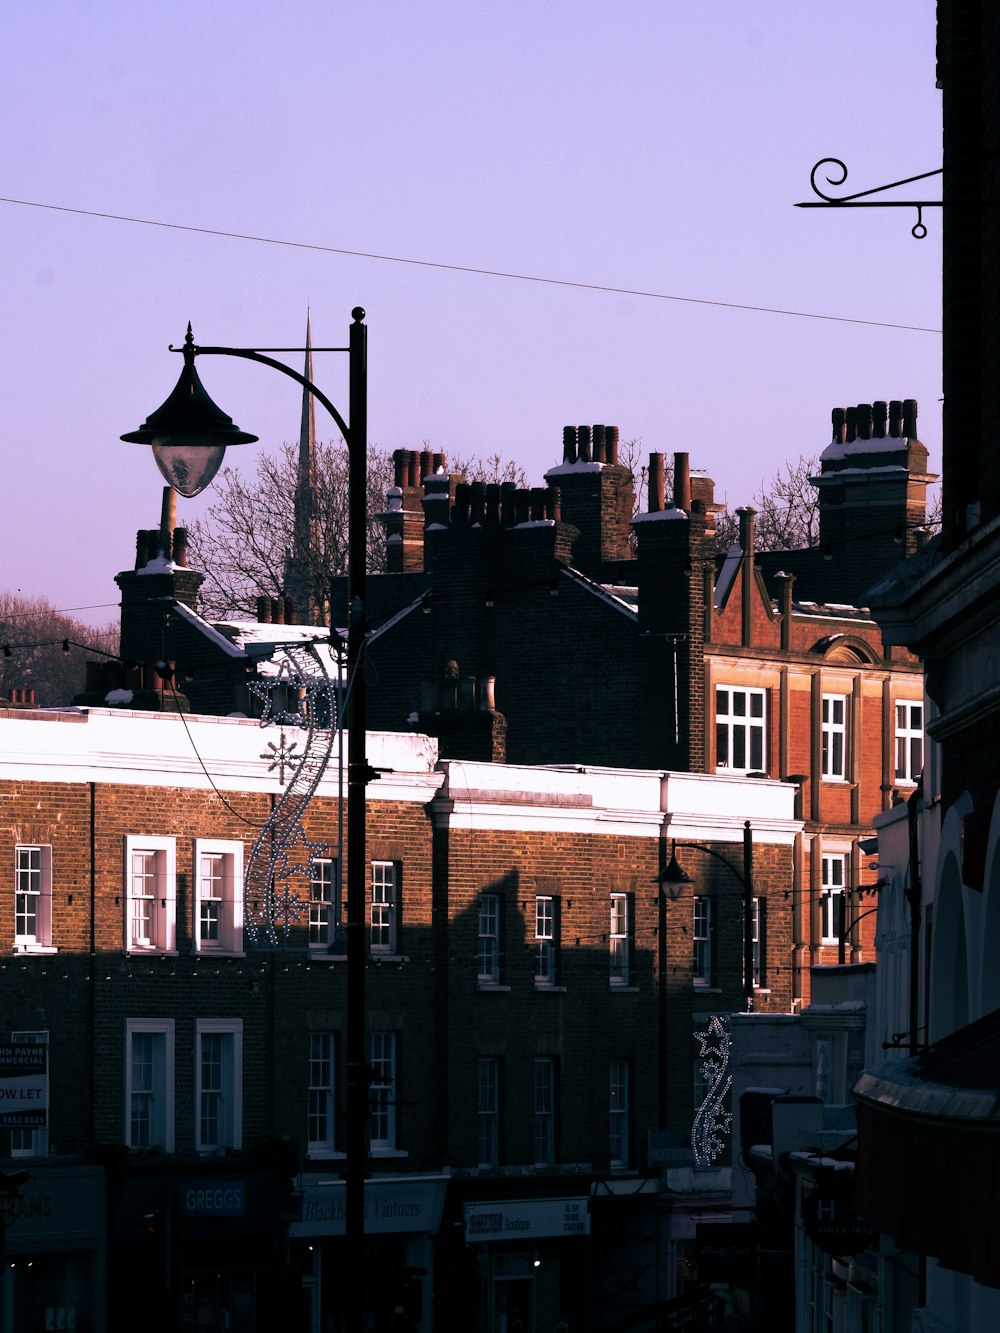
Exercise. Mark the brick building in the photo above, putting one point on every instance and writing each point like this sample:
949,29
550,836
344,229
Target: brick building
529,1026
928,1143
554,625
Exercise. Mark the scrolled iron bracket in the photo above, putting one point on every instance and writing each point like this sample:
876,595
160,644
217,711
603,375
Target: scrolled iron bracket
862,198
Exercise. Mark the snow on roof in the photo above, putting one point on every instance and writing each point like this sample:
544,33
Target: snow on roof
659,515
564,469
886,444
159,565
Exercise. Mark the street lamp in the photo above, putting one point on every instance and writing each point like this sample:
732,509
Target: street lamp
671,881
189,434
674,873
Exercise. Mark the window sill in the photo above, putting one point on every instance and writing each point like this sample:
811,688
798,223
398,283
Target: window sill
486,987
217,953
325,1155
834,780
45,950
374,957
623,990
542,987
319,954
388,1152
151,952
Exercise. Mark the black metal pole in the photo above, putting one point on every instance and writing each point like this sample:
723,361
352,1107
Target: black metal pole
357,870
748,913
661,1054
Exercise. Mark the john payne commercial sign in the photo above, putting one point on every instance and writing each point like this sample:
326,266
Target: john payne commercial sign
24,1086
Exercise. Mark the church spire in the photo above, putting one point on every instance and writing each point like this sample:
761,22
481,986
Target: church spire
299,573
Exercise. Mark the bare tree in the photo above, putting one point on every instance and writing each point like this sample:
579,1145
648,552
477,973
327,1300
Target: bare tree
787,512
244,543
492,469
44,650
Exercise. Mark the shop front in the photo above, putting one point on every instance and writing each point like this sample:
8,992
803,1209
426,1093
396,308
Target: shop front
530,1261
402,1219
52,1255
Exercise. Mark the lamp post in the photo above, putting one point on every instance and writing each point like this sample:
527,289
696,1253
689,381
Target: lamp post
189,435
675,873
670,881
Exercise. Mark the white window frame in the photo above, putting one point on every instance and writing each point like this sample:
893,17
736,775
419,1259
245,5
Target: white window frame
323,878
620,939
321,1105
33,882
835,867
163,902
384,914
488,1139
218,866
224,1088
758,930
834,714
741,728
703,940
161,1094
383,1060
546,940
619,1099
909,739
29,1142
488,949
544,1137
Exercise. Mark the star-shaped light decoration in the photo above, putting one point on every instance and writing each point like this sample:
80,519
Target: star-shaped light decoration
712,1121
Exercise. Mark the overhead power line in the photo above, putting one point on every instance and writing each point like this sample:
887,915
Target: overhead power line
466,268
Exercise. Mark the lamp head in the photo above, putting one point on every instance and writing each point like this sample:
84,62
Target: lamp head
673,876
189,432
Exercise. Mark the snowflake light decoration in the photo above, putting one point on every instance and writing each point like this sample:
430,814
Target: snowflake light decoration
276,890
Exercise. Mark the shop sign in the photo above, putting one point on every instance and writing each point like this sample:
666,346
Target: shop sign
727,1252
832,1222
391,1205
24,1085
526,1219
205,1199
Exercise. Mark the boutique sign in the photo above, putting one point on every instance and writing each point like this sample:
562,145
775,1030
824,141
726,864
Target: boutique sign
526,1219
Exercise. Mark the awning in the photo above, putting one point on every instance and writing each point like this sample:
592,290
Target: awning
928,1166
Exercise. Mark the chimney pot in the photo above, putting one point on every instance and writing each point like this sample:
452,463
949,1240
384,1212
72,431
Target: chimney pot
655,488
864,421
264,610
839,425
682,482
462,502
569,444
181,547
522,506
851,420
599,445
537,503
910,418
583,444
611,444
426,463
401,460
493,502
477,502
553,504
412,469
895,418
508,490
277,611
879,411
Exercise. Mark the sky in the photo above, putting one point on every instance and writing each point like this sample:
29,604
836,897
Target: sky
653,146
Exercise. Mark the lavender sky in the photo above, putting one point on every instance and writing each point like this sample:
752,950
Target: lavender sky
651,146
